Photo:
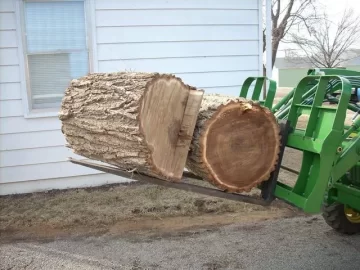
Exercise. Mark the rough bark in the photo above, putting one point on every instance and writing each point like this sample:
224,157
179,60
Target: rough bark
235,145
135,121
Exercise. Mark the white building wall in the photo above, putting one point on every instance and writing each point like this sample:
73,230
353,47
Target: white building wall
211,44
32,152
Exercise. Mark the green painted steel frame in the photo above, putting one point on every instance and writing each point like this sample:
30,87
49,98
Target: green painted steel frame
319,142
334,71
329,150
344,186
259,84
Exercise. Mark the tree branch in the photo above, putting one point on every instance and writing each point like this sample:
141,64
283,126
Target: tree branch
285,15
321,49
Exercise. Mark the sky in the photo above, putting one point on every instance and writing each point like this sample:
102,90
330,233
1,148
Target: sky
334,8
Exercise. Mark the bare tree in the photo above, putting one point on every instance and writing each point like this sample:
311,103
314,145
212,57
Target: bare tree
321,48
288,15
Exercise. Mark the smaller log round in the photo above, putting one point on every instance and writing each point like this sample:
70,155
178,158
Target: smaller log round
236,143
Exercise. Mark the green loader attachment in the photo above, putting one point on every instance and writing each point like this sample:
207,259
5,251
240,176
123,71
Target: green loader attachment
329,178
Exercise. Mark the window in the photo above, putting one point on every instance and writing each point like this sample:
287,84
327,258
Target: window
55,47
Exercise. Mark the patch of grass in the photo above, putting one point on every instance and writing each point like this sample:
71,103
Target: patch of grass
107,205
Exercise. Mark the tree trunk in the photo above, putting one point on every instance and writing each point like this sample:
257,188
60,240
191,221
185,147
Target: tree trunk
235,145
135,121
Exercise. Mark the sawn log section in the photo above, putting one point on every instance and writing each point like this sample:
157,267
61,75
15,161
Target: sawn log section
135,121
236,143
157,125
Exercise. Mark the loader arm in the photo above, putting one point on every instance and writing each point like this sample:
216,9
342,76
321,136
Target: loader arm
330,148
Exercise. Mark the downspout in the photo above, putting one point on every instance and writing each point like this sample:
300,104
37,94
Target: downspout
268,39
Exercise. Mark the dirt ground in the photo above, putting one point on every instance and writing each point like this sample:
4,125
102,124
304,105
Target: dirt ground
276,244
139,208
120,209
129,208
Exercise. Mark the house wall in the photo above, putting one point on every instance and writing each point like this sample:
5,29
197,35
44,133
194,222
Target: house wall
210,44
213,45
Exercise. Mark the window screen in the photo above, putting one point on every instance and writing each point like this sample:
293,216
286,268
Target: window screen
56,49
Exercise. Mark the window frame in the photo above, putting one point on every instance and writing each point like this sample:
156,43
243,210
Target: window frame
89,13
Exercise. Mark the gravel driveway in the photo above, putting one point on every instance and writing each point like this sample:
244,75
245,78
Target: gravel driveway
293,243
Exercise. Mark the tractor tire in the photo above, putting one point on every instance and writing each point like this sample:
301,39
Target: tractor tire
334,216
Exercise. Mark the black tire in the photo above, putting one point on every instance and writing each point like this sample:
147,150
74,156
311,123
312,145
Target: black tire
334,216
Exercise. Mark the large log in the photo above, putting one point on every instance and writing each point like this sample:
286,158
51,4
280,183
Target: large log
235,145
135,121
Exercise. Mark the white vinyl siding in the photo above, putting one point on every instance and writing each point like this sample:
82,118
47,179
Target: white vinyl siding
190,33
9,57
143,50
210,44
8,39
41,171
11,108
178,5
201,16
10,91
57,183
184,65
34,140
9,74
7,21
33,156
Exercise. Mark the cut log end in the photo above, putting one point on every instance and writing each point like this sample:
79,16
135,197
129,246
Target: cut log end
164,117
239,145
140,122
